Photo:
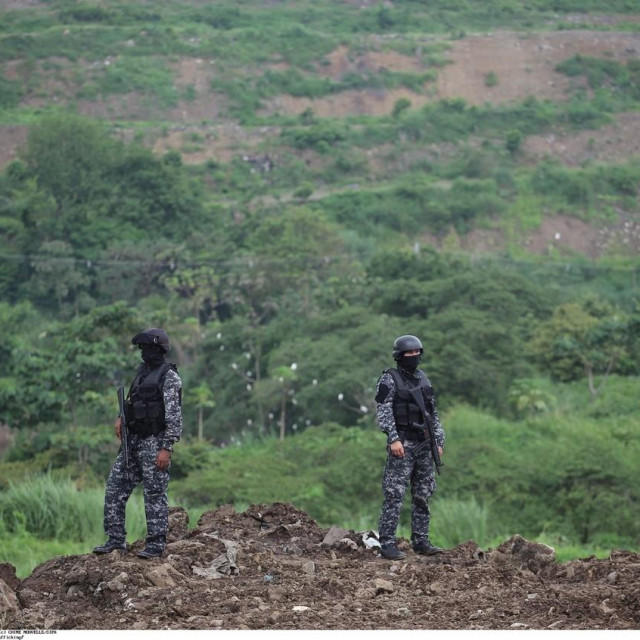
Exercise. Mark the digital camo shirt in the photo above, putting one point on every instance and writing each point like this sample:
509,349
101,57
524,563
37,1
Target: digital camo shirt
172,395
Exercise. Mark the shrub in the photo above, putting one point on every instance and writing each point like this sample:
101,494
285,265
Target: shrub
319,136
303,191
491,79
513,141
400,106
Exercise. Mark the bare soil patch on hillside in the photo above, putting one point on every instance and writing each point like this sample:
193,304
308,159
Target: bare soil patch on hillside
525,64
273,567
221,143
125,106
341,61
371,102
615,142
557,235
564,234
374,102
197,73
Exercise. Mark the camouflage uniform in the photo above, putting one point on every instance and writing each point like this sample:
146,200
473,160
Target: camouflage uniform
143,452
399,472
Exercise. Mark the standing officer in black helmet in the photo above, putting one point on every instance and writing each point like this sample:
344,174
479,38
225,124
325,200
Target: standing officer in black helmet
154,421
402,420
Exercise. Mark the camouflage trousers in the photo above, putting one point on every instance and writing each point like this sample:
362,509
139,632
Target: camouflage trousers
120,483
398,473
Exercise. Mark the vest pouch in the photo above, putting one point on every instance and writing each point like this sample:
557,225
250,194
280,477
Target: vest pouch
129,412
139,411
154,411
147,392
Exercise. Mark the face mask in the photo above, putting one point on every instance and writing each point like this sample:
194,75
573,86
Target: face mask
152,354
409,363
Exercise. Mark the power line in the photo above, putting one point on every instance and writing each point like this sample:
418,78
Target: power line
256,261
173,264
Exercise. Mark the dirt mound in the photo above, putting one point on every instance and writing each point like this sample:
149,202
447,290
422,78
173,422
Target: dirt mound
273,567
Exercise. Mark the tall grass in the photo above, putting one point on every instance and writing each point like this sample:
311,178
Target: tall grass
56,510
42,517
456,521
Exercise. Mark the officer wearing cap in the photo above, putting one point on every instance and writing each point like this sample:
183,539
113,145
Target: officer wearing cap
154,422
402,420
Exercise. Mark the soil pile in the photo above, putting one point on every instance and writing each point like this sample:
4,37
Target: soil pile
273,567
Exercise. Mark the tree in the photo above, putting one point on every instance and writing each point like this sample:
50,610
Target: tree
54,377
582,339
233,361
286,376
202,397
338,357
70,155
198,285
295,250
56,275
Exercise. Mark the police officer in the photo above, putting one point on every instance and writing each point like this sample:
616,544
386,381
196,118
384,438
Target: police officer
154,421
401,419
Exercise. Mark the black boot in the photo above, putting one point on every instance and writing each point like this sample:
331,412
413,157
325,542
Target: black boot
150,552
391,552
425,548
109,546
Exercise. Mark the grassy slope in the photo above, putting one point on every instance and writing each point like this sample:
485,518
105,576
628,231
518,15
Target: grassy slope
122,62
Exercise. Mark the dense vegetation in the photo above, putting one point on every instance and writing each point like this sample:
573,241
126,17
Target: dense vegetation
283,278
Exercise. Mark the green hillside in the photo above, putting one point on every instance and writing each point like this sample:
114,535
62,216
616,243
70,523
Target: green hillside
286,187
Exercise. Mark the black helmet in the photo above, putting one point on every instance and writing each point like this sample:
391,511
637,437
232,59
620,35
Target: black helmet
406,343
153,336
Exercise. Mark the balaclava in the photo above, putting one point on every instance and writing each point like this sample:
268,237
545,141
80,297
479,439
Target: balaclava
409,363
152,354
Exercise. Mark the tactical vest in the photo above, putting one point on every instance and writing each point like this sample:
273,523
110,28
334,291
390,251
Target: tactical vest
145,402
406,412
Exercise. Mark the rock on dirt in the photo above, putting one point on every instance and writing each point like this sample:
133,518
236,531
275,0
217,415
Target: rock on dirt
290,574
531,555
8,600
334,535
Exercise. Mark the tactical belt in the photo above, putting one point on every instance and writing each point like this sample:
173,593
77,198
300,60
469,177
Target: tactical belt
145,430
412,434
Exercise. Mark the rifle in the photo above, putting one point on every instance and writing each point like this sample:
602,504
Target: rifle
124,429
416,394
